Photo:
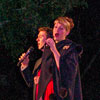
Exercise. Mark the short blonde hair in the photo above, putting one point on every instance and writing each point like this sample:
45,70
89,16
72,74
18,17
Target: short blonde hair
66,21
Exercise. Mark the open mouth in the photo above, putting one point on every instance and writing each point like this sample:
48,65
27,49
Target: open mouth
57,34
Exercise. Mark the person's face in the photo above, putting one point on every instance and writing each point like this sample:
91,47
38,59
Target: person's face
59,32
41,39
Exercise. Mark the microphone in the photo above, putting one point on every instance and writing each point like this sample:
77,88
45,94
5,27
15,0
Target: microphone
27,53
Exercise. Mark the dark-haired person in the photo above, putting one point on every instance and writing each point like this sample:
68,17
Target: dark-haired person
32,78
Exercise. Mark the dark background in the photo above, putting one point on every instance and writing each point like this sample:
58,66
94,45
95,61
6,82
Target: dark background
12,44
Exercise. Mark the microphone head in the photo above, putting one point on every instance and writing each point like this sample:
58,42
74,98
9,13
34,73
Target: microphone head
30,49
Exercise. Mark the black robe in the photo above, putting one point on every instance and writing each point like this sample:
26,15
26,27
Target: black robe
67,82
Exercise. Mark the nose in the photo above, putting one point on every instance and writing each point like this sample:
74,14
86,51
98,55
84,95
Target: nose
56,30
37,39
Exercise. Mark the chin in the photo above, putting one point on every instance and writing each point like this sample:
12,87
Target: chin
39,48
56,39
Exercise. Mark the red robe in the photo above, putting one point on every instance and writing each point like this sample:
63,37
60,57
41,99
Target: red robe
49,89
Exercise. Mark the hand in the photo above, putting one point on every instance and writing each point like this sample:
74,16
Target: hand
36,79
25,61
54,50
50,42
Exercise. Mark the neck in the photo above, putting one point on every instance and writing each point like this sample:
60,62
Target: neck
59,41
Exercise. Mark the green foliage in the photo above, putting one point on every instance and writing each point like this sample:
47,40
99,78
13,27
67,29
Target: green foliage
20,19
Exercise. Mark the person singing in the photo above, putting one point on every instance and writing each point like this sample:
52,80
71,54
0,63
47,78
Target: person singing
60,65
32,79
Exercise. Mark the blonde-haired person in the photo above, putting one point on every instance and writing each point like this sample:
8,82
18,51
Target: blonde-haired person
60,64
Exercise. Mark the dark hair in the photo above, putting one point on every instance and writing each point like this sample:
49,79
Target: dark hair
48,30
